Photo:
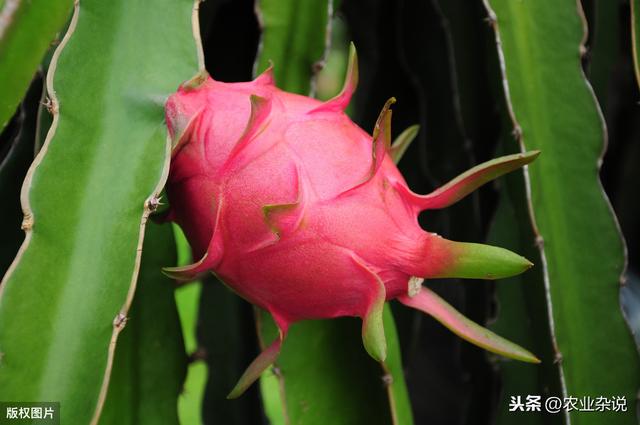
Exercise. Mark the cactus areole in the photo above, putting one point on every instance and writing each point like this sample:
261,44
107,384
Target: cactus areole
304,214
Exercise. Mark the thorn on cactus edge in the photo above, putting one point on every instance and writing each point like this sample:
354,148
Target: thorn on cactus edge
27,222
51,105
153,203
517,132
557,358
120,320
492,19
387,379
200,354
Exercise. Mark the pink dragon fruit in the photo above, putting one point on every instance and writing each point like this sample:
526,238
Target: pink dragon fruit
305,215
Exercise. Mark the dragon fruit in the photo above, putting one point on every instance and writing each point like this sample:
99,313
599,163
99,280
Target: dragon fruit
304,214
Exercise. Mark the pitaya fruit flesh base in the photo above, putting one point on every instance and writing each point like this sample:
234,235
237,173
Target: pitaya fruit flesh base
305,215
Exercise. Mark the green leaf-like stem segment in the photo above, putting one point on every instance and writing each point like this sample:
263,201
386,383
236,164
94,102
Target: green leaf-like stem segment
575,229
58,335
430,303
27,30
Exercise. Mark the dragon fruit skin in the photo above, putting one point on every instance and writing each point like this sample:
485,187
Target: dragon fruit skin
305,215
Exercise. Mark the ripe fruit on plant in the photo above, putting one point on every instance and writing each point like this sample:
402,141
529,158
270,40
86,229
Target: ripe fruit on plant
305,215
